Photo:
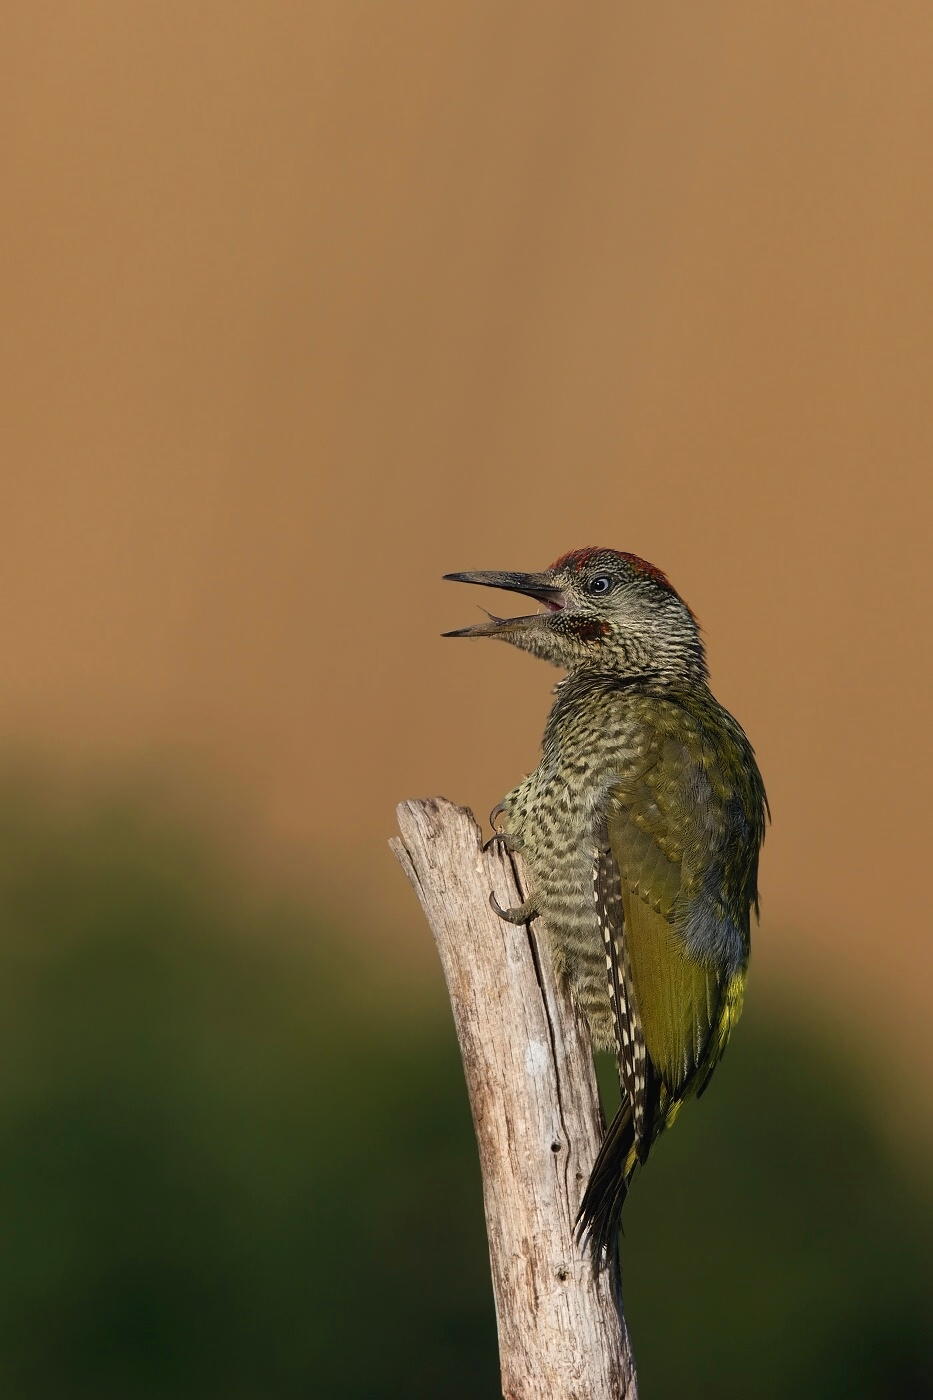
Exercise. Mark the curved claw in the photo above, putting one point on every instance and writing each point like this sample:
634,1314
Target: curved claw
508,841
519,914
497,835
505,840
496,906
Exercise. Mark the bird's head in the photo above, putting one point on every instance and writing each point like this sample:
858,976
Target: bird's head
603,610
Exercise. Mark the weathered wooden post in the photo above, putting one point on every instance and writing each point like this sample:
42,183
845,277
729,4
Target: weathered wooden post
529,1072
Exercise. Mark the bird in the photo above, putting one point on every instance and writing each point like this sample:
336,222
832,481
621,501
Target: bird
640,830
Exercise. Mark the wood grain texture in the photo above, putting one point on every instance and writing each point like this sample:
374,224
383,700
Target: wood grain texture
536,1111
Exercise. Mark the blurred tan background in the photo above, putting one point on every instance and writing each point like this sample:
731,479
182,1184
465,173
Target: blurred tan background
306,305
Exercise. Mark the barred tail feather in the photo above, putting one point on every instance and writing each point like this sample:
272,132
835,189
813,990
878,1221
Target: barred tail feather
600,1213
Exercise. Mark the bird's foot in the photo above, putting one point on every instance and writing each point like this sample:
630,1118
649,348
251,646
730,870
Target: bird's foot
504,839
518,914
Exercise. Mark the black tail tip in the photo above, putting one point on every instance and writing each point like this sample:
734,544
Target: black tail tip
603,1254
599,1218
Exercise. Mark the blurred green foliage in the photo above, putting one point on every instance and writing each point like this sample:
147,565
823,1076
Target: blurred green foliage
237,1162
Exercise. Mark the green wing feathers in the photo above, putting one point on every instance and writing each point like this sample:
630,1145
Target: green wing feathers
670,832
679,1001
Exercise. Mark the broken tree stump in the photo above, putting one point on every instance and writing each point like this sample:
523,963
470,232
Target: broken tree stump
536,1111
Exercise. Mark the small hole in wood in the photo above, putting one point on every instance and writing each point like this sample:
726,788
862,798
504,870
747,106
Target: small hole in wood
555,1146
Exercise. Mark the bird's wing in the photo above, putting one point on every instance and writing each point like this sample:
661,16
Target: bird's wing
630,1041
678,1001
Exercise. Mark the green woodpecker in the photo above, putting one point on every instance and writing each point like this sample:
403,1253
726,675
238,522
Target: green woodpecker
641,828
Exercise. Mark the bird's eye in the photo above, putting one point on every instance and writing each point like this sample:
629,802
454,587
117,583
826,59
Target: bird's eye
601,584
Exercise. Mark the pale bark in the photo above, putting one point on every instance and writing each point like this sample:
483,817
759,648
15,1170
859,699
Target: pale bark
536,1111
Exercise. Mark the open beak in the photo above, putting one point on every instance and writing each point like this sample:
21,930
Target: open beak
537,586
